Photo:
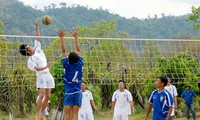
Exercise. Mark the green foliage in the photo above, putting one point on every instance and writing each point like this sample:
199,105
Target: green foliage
53,50
3,46
150,55
102,28
3,51
197,103
17,94
5,92
2,30
22,92
19,22
58,92
195,16
182,68
96,93
114,61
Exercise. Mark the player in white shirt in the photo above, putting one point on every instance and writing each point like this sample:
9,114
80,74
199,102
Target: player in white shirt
86,112
37,62
122,103
173,91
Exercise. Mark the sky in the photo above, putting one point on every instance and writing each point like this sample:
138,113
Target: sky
128,8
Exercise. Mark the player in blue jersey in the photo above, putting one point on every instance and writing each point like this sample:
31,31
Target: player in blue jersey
161,101
188,96
72,77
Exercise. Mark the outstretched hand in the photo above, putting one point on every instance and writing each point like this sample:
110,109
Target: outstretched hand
61,33
75,32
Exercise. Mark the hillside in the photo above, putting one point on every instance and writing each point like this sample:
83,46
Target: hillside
19,19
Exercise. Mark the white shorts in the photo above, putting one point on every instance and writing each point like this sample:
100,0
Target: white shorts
85,116
173,111
120,117
45,80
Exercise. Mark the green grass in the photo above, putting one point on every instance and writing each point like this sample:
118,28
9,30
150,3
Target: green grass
100,115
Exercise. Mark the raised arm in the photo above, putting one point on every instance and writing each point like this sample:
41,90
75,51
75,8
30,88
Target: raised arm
61,34
75,33
37,31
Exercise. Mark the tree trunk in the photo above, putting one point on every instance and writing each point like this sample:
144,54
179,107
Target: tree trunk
58,110
138,97
20,101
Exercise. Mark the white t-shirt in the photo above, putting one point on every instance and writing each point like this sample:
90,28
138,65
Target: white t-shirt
172,90
122,102
86,102
37,59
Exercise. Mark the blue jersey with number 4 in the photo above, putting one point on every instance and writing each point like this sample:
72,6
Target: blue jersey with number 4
72,75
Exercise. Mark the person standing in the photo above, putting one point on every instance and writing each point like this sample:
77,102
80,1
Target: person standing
172,89
86,111
122,102
188,96
161,101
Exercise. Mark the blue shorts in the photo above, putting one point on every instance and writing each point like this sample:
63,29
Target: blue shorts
73,99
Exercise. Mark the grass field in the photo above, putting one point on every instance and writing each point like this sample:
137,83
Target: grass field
101,115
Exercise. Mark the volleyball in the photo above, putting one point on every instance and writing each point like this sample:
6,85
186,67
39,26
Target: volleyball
46,20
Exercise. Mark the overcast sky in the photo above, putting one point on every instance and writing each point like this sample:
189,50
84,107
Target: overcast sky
129,8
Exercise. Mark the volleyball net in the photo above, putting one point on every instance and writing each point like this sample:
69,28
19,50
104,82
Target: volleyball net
106,61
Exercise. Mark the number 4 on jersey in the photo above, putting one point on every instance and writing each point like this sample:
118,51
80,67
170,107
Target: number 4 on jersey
75,79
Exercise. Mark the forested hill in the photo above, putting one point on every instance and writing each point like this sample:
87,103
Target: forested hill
19,20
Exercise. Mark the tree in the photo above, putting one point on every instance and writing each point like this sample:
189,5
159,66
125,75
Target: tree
53,5
3,46
16,92
68,17
107,61
5,92
182,68
63,4
147,64
45,8
2,31
195,16
102,28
